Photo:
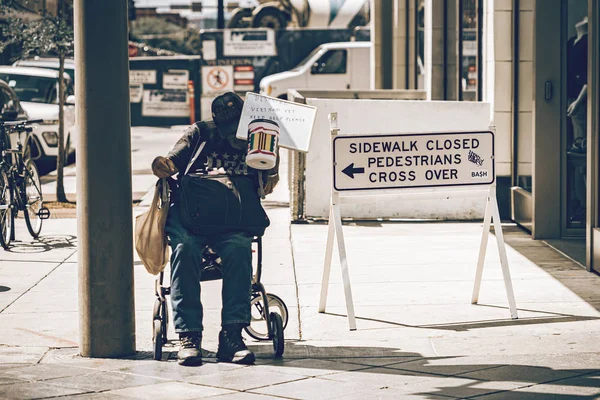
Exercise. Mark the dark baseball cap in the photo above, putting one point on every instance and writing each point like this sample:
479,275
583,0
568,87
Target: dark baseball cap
226,112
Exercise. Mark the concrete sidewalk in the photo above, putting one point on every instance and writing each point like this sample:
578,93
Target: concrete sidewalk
418,335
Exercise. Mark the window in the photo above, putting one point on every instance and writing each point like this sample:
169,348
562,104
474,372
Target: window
32,88
4,101
7,102
332,62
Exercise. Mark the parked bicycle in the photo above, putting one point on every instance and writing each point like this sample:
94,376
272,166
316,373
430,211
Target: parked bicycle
20,186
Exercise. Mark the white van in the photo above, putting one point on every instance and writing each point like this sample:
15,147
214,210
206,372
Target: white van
335,66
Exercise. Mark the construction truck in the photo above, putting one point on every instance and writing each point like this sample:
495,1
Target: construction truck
281,14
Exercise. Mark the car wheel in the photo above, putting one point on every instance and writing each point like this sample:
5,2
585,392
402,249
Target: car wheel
241,18
33,149
269,17
69,156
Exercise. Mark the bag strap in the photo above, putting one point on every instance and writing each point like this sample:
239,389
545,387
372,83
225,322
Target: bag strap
261,188
161,192
199,148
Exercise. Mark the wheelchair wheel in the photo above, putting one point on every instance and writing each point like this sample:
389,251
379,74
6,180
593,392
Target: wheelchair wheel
156,311
164,321
258,328
157,339
278,338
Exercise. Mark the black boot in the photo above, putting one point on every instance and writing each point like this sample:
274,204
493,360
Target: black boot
189,351
232,347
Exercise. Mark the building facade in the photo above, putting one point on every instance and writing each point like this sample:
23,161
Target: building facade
536,62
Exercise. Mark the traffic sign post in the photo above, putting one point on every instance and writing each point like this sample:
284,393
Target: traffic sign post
374,162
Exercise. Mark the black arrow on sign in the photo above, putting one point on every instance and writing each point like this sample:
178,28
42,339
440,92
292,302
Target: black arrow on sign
350,170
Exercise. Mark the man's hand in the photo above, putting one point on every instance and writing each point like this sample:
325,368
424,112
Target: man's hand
163,167
573,107
271,182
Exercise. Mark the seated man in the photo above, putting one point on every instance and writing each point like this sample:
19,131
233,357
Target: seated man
222,153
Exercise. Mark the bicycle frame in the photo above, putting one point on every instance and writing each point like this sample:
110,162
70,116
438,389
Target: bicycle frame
12,162
16,170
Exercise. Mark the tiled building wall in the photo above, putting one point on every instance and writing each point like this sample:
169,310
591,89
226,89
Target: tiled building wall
502,81
404,19
525,129
444,70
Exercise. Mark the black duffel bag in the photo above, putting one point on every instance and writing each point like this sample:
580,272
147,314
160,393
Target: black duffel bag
214,204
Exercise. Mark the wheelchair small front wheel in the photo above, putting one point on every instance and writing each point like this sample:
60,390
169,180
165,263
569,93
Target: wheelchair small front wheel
258,328
164,319
157,339
277,330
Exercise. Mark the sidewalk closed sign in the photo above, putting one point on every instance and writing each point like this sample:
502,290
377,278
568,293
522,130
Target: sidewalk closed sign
411,161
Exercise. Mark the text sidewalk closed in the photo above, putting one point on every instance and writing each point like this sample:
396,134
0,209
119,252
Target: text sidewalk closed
418,160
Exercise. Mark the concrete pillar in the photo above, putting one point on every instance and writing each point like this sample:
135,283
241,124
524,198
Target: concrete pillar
404,44
401,45
220,14
382,44
104,202
444,42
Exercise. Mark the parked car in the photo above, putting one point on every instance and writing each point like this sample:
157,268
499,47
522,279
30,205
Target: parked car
10,106
48,62
11,110
37,90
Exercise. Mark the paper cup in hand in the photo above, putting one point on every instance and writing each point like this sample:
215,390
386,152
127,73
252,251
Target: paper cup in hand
263,139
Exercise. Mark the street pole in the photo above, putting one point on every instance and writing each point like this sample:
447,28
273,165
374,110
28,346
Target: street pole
104,212
220,14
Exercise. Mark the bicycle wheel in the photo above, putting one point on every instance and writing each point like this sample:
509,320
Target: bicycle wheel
5,210
33,193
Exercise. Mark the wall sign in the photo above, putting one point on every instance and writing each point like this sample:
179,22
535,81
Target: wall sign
175,79
165,103
217,79
136,92
142,76
249,42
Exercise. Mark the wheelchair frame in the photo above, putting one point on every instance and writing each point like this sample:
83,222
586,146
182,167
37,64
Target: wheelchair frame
211,270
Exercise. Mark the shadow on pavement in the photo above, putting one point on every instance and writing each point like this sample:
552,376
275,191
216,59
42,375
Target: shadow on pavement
466,326
391,372
44,244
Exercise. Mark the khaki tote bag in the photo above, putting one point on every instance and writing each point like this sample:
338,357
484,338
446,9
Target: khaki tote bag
150,237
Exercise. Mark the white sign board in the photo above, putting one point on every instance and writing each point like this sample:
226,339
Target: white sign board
218,79
136,92
165,103
142,76
209,50
295,120
175,79
409,161
249,42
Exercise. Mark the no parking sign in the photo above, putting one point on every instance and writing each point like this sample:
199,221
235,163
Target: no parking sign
217,79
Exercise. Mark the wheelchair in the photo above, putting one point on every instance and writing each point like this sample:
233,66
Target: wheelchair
269,314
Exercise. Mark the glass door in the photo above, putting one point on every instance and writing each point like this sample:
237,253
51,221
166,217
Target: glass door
470,50
575,100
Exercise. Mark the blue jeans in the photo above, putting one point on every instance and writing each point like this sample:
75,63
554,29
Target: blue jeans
235,250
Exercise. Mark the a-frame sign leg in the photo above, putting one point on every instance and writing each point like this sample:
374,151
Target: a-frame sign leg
335,231
327,263
337,219
492,213
487,219
503,258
